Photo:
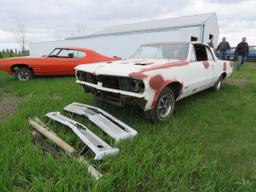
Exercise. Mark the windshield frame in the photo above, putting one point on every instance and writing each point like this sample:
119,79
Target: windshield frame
137,53
50,54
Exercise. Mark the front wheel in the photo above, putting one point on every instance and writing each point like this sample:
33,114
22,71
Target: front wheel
23,74
164,108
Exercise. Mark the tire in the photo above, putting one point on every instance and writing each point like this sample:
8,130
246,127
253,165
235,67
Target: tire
164,108
23,74
218,85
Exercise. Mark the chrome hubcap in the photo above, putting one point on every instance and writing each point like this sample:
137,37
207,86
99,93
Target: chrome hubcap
219,85
23,76
164,106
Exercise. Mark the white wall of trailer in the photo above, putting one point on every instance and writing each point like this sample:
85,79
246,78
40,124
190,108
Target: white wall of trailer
123,44
211,27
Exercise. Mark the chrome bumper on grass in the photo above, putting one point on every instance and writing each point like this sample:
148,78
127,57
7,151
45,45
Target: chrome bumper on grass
95,143
105,121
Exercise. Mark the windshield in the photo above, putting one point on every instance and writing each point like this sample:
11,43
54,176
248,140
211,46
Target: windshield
170,51
66,53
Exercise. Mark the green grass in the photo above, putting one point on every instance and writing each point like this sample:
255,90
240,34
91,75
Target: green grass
208,145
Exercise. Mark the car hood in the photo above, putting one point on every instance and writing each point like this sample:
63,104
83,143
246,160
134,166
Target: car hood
127,67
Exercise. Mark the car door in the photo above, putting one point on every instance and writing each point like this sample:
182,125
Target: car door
80,57
61,64
201,68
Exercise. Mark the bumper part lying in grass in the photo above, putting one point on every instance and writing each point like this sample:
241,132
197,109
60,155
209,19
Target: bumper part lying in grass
44,130
95,143
105,121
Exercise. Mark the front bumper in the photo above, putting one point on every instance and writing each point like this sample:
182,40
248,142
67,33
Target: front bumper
113,96
100,87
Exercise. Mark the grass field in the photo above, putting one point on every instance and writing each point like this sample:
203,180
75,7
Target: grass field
208,145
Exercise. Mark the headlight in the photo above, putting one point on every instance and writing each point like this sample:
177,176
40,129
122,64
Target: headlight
85,76
138,86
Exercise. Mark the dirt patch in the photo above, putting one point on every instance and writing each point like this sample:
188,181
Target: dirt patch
237,82
39,140
9,105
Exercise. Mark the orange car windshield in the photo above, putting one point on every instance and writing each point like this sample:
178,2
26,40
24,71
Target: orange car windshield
67,53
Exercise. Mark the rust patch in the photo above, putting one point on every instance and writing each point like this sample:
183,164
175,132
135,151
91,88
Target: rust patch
225,66
206,64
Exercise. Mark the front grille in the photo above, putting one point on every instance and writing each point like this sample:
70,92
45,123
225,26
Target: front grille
114,82
121,83
87,77
109,81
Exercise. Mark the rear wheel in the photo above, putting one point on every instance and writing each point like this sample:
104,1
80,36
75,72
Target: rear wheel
164,108
23,74
217,86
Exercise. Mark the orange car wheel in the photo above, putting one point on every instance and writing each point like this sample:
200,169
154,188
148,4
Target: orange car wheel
23,74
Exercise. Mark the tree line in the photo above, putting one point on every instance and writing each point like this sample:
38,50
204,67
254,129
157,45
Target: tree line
12,53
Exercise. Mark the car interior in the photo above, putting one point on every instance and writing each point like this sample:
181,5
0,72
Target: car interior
200,52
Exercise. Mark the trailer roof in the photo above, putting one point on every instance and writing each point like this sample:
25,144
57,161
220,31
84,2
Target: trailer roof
178,22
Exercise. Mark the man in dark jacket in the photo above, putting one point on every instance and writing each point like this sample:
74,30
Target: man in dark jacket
242,50
222,48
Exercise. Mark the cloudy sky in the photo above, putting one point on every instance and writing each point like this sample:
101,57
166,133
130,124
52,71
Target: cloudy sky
47,20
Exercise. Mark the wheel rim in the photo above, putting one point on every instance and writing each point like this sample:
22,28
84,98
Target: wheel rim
23,75
219,85
164,107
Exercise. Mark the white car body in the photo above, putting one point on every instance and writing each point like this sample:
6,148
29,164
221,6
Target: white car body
188,75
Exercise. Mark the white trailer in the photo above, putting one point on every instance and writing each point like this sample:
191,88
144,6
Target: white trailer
122,40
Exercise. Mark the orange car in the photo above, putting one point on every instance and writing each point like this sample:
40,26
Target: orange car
61,61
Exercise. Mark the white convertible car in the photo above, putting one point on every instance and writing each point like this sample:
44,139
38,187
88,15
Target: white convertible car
156,77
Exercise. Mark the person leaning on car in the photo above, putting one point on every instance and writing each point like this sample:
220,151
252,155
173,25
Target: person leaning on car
242,50
222,48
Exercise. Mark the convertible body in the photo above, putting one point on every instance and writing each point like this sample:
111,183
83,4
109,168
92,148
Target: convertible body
61,61
182,69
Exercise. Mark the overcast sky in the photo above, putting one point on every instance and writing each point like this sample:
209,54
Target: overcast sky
47,20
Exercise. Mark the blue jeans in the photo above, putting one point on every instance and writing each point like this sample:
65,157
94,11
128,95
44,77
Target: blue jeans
223,55
240,61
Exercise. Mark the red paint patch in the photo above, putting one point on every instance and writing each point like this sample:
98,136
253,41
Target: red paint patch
166,65
158,83
206,64
125,62
141,74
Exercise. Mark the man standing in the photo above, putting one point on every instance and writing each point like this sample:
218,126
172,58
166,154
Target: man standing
242,50
222,48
